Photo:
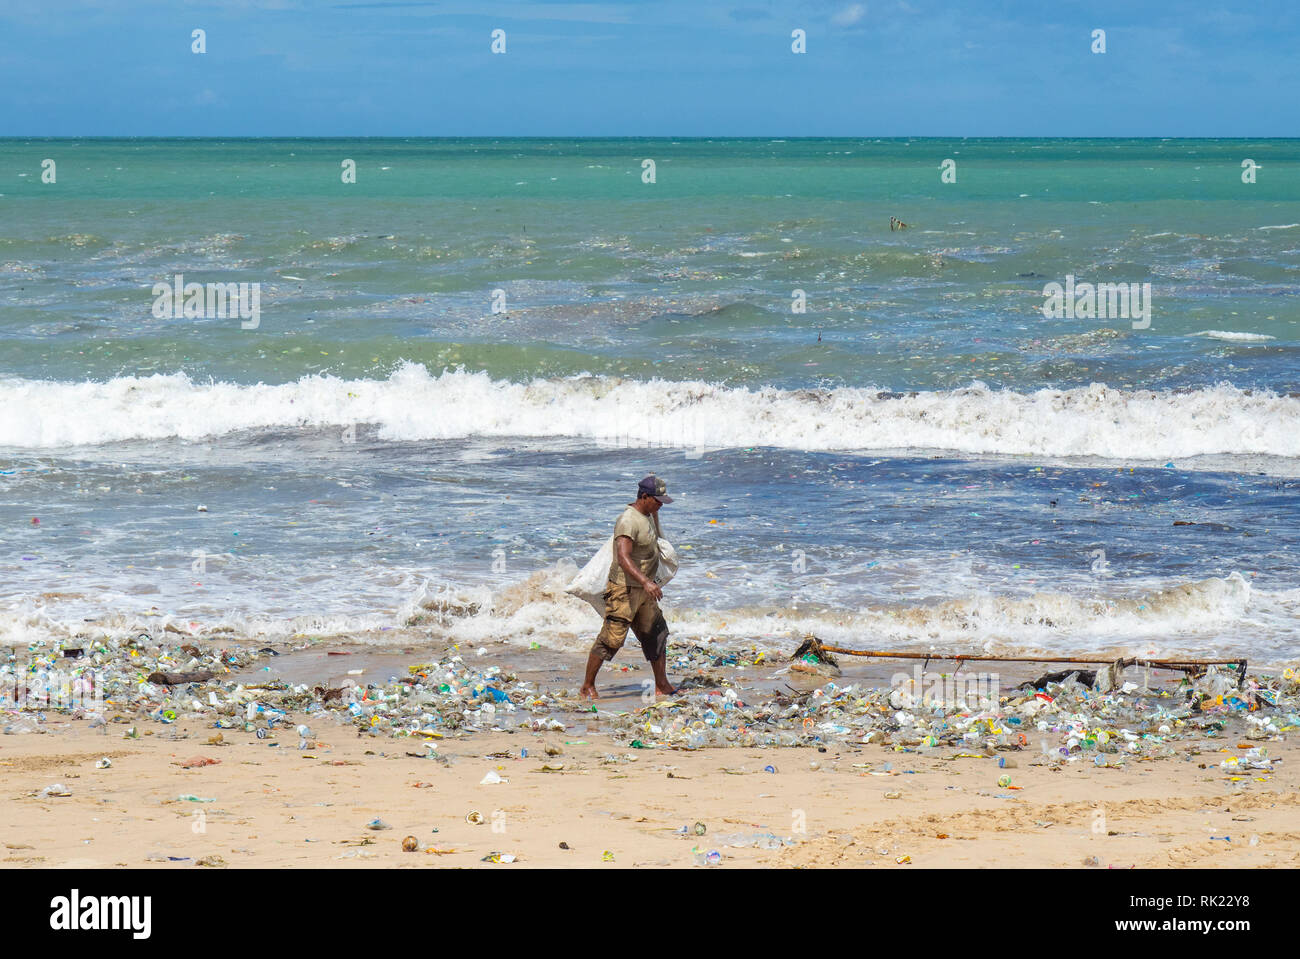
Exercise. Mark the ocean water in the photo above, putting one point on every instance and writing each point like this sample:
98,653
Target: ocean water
465,360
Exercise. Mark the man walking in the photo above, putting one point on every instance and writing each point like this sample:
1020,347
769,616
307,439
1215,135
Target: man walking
632,595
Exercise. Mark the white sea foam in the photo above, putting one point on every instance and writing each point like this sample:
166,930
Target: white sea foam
411,404
1163,620
1233,336
1215,616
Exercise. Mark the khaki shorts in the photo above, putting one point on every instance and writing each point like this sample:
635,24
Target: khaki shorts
635,608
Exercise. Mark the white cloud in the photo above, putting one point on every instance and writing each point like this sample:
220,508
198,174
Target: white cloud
849,15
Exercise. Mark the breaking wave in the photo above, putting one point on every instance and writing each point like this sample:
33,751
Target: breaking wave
413,404
1206,617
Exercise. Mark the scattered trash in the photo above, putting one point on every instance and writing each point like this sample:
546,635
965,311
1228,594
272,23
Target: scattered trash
190,797
410,844
22,725
377,824
1061,714
709,858
499,857
194,762
475,818
104,763
606,856
492,778
56,789
755,840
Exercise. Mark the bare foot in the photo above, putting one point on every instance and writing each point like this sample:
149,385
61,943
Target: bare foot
665,690
588,692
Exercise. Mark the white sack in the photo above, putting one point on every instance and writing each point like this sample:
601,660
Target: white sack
589,584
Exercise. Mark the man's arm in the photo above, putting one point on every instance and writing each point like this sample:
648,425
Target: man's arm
623,550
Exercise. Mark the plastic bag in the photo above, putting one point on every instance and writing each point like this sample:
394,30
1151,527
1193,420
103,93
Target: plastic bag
589,585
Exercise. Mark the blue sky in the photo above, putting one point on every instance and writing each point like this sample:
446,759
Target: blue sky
662,68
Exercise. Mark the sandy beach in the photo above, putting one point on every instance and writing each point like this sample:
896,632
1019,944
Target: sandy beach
269,802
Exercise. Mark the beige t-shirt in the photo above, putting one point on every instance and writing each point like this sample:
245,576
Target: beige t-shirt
644,533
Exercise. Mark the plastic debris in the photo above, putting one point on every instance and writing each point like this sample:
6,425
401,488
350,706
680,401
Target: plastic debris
710,858
195,762
22,725
755,840
1060,721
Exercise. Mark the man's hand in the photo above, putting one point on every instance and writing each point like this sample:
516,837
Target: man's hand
653,589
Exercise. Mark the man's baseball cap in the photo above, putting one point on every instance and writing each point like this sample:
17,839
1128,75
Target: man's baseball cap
653,486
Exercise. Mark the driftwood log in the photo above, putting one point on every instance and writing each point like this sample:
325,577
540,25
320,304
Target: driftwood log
180,679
